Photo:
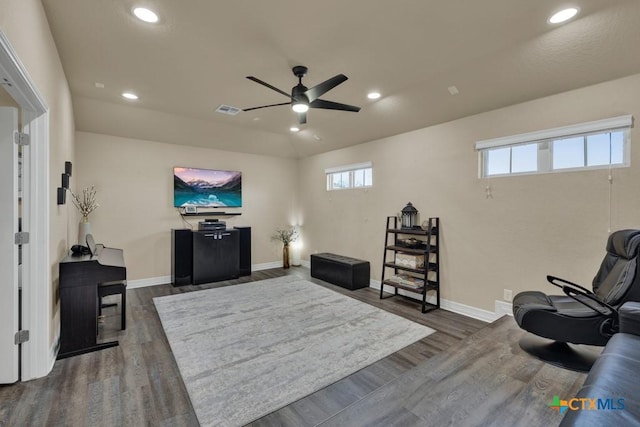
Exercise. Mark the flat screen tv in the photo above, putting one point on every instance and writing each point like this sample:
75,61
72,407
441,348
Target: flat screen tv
206,188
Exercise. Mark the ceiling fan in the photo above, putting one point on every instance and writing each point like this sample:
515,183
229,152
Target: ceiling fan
302,98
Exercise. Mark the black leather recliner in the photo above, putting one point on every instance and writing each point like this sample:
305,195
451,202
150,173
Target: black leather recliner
582,316
615,377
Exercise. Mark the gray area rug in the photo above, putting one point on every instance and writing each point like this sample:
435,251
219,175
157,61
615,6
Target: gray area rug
247,350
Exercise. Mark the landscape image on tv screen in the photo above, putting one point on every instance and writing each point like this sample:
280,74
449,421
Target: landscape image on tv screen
206,188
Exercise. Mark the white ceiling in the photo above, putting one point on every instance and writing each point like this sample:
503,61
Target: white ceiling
496,52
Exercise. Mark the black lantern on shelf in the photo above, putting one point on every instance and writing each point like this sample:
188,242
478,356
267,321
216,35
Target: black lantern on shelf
409,217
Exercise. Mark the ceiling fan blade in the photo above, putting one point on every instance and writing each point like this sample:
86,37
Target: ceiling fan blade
265,106
329,105
269,86
324,87
302,118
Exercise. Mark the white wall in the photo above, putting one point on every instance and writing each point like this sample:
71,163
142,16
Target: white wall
134,183
26,27
534,225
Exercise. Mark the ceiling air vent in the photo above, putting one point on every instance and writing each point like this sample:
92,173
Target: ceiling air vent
227,109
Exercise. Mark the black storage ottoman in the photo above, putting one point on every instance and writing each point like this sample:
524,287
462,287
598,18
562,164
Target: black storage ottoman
350,273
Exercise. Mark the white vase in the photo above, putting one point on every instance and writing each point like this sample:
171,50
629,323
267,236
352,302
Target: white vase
83,229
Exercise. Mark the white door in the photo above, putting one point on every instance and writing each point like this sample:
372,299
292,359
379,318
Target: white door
9,308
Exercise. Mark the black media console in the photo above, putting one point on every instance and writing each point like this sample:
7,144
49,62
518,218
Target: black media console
208,256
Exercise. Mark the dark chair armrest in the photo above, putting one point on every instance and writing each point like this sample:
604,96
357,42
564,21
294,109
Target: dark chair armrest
573,289
629,318
601,306
553,279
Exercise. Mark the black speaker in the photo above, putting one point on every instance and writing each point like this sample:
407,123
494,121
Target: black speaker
245,250
67,168
181,257
65,181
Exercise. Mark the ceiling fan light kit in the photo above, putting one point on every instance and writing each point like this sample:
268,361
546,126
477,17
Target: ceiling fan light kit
300,107
302,98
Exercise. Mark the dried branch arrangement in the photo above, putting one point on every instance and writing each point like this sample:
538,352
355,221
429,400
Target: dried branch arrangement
87,203
285,236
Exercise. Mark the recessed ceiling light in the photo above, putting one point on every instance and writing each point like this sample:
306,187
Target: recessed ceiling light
373,95
99,85
294,129
563,15
453,90
146,15
129,95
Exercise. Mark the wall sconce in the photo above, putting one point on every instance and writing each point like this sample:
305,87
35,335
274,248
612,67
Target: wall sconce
62,196
409,217
62,190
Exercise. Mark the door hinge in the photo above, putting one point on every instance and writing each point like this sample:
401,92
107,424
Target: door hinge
21,138
21,337
22,238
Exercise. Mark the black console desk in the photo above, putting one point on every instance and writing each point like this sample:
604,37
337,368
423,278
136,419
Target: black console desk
79,278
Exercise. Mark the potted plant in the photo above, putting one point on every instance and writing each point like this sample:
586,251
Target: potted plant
286,236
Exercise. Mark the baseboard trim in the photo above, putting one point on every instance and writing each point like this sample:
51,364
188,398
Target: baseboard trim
455,307
503,308
151,281
467,310
266,265
53,353
164,280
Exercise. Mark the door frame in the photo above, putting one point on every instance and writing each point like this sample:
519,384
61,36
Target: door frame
10,273
38,354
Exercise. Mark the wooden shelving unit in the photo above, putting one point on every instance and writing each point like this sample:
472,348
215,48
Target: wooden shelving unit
422,279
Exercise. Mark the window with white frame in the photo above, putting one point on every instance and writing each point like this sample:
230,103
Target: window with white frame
358,175
591,145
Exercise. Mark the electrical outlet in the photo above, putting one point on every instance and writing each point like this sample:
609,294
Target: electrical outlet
508,295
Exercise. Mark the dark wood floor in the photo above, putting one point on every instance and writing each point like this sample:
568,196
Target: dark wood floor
484,380
138,383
